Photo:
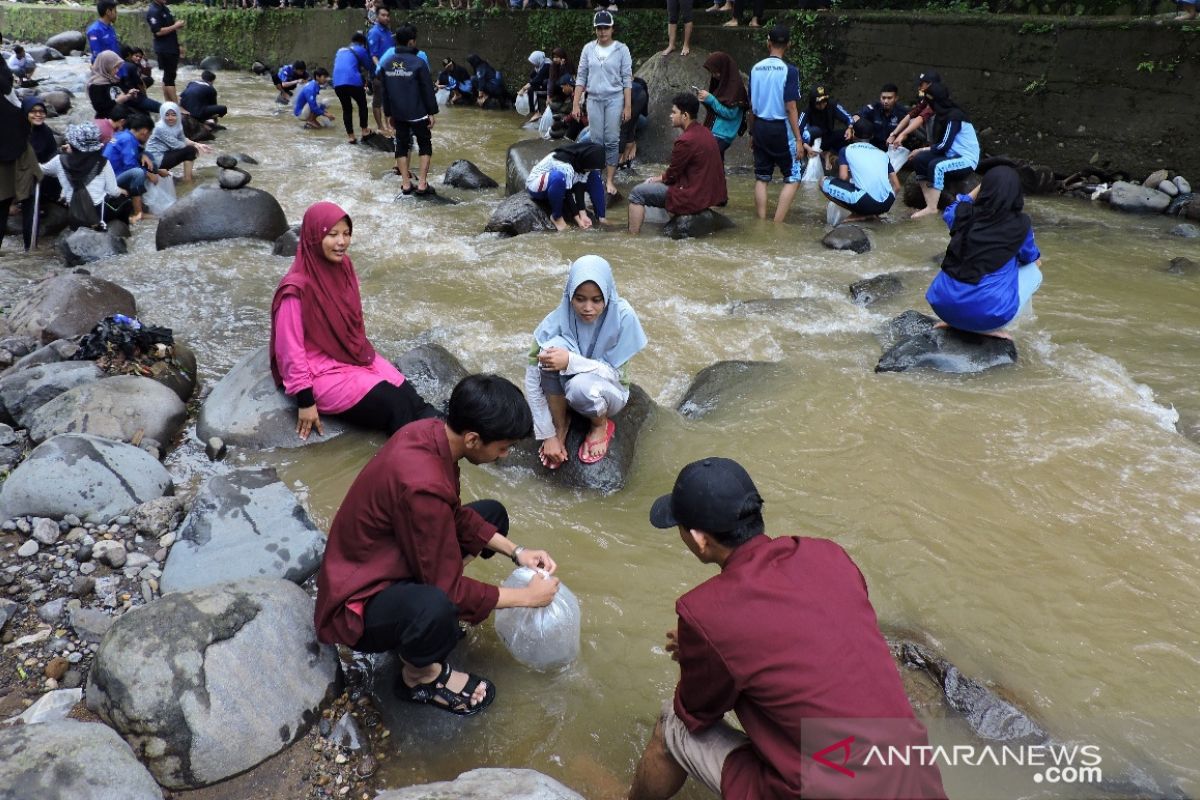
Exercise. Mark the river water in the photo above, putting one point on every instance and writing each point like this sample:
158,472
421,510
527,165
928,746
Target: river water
1035,524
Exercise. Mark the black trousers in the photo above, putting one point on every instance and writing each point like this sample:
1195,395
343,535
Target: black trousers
173,158
388,408
51,191
357,94
739,6
418,620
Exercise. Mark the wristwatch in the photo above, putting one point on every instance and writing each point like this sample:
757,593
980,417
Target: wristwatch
516,553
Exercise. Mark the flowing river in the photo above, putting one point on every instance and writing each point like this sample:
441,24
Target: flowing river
1037,524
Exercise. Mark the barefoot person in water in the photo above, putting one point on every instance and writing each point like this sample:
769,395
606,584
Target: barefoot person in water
578,362
564,177
992,266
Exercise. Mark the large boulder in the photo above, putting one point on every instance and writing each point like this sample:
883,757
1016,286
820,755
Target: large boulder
718,384
58,100
84,246
71,760
211,213
434,373
879,287
245,524
848,237
52,222
944,349
518,214
126,408
67,41
489,783
667,76
693,226
246,409
521,158
384,144
68,305
288,243
913,197
607,475
93,478
462,174
24,391
43,55
1135,199
208,683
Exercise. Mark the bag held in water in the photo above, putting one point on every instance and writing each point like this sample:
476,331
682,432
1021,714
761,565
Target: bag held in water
522,104
540,638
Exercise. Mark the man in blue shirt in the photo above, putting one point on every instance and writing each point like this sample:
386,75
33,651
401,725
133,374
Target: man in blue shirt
866,184
165,29
130,164
774,126
351,67
379,41
288,78
101,34
309,109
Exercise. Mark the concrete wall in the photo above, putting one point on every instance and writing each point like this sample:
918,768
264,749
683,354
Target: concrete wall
1066,91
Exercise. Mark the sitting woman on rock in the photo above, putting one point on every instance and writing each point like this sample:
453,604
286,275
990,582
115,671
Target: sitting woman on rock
85,169
955,154
562,177
104,83
320,353
168,146
578,362
992,266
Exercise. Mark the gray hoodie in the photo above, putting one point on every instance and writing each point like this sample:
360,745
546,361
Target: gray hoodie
608,77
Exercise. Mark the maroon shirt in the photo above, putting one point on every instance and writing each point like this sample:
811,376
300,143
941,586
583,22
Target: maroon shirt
402,520
695,177
785,636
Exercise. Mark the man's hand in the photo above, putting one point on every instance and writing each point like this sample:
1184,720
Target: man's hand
554,358
849,132
180,24
672,646
147,164
537,559
309,418
540,591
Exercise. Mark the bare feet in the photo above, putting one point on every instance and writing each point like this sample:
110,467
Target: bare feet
924,212
583,220
685,50
135,218
670,49
754,22
733,23
998,334
559,223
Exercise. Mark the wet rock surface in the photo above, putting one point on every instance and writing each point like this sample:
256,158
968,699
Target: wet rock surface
720,384
521,158
693,226
463,174
233,178
848,237
1177,266
126,408
67,41
173,678
916,343
667,76
245,524
519,214
85,246
24,391
1134,199
68,305
288,243
879,287
434,373
488,784
210,213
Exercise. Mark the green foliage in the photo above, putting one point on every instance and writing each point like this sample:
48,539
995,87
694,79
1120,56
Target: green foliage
1038,28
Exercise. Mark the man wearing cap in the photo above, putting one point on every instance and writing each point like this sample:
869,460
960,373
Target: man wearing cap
773,122
606,73
918,115
785,636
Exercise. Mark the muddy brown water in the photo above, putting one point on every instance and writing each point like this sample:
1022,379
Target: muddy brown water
1036,524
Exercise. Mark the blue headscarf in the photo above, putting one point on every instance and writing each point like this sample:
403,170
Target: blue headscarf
614,338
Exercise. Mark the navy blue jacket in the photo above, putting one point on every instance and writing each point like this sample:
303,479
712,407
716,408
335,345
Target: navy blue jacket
407,86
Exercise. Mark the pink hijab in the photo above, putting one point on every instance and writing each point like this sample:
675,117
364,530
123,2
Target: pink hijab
330,303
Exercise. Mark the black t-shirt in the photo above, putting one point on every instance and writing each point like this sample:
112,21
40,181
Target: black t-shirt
159,16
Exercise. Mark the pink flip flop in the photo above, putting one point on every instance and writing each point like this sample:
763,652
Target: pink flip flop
583,446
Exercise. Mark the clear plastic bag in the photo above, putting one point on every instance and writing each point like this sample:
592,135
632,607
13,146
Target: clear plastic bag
814,170
898,156
159,196
540,638
834,214
546,123
522,104
443,97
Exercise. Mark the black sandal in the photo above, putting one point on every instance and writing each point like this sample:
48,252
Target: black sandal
457,703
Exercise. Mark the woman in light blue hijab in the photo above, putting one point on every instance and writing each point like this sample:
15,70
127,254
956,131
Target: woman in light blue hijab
578,362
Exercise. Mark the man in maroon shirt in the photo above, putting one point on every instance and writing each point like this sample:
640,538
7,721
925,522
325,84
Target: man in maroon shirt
784,636
695,178
392,576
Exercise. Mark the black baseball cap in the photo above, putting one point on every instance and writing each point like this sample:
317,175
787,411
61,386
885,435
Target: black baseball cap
709,495
602,19
780,34
929,76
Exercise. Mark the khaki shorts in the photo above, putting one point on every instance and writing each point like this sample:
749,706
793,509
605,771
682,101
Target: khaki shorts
702,755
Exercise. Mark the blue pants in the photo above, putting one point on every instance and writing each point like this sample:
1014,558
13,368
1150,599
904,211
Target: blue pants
935,168
133,180
572,202
604,122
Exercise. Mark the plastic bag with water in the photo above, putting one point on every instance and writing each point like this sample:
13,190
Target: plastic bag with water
443,97
159,196
834,214
898,156
522,104
546,123
540,638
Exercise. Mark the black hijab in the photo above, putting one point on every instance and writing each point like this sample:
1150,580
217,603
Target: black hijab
945,110
41,138
988,233
582,156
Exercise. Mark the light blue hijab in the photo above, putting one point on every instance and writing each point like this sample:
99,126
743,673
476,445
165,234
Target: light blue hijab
614,338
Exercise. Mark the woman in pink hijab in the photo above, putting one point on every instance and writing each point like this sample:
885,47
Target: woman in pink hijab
320,353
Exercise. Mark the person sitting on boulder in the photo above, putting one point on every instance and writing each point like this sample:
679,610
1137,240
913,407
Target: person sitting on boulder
993,266
579,362
695,179
537,85
908,132
130,163
320,353
457,80
561,179
726,99
200,100
489,83
21,65
45,148
83,168
866,184
308,109
823,119
104,83
288,78
133,82
955,155
392,577
168,147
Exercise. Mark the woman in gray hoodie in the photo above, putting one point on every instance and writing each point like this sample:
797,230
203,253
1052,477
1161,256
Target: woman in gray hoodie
606,72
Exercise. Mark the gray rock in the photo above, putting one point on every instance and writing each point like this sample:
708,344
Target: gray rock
288,243
607,475
1134,199
716,385
1155,178
52,706
434,373
58,350
667,76
50,612
879,287
1181,266
909,323
25,391
60,103
1168,188
948,350
110,552
384,144
27,549
246,409
67,41
84,246
693,226
1186,230
848,237
120,408
462,174
70,760
8,610
215,449
45,531
7,434
91,477
68,305
208,683
43,55
489,783
89,624
226,161
210,213
1181,183
245,524
521,158
519,214
216,64
246,159
233,178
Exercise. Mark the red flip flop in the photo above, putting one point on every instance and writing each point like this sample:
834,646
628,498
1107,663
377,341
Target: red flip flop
583,446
